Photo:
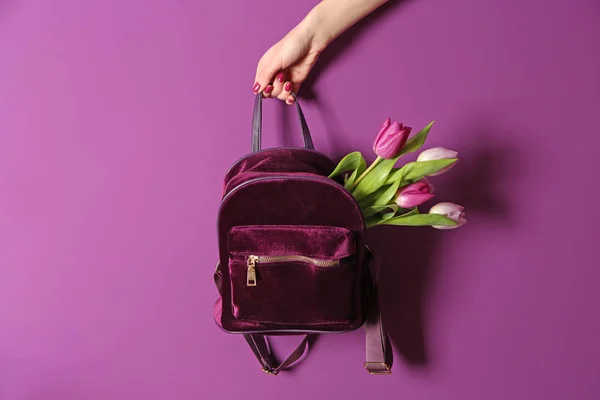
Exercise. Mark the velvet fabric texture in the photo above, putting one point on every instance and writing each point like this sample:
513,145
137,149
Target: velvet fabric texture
280,160
323,242
250,175
293,209
292,292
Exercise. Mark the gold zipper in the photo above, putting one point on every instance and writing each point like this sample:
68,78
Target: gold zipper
252,260
251,274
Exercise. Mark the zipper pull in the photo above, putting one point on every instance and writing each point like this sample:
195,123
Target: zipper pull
251,275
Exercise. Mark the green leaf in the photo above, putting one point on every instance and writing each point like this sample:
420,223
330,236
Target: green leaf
381,219
390,215
374,220
414,143
420,169
387,215
421,220
389,194
395,175
414,211
374,179
369,211
372,198
362,167
349,162
416,170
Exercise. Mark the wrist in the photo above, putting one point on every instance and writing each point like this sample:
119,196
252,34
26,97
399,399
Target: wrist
330,18
314,25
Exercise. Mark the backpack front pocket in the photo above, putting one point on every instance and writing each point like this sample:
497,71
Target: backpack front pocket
300,275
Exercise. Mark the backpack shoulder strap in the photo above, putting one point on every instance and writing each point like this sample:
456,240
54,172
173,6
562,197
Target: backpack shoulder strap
379,354
261,349
378,348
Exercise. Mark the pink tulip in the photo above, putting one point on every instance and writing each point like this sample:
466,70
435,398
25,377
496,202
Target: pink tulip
452,211
438,153
415,194
390,139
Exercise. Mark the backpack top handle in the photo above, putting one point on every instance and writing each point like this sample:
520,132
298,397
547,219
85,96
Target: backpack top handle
257,124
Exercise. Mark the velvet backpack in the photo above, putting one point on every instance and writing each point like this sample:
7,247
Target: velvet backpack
292,253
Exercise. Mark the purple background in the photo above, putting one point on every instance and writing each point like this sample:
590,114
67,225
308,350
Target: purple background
119,118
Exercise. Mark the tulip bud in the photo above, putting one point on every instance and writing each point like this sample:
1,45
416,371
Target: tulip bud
390,139
438,153
415,194
452,211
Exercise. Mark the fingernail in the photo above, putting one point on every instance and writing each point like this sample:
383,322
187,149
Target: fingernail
268,89
256,87
290,100
280,77
288,86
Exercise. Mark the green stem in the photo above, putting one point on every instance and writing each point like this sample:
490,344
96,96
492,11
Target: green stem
362,176
371,224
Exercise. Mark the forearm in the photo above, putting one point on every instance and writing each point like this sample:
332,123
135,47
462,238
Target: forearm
330,18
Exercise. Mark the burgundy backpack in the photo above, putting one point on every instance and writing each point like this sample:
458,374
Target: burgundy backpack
292,253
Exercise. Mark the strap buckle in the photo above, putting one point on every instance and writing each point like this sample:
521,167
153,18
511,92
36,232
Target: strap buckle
380,368
269,371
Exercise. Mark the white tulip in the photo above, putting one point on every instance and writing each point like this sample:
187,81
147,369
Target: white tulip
450,210
438,153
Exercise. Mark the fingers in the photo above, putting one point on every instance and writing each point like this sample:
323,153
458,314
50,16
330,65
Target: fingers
282,89
288,86
291,99
268,90
264,77
279,88
277,85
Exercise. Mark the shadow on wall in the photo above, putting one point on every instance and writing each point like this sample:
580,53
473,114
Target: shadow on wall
341,44
408,259
407,256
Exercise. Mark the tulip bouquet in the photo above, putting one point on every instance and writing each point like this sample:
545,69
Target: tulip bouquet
390,195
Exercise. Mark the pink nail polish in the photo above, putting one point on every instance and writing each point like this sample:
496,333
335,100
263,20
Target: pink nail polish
256,87
280,77
268,89
288,86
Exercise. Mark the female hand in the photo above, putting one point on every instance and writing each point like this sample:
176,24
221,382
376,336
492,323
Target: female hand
286,65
